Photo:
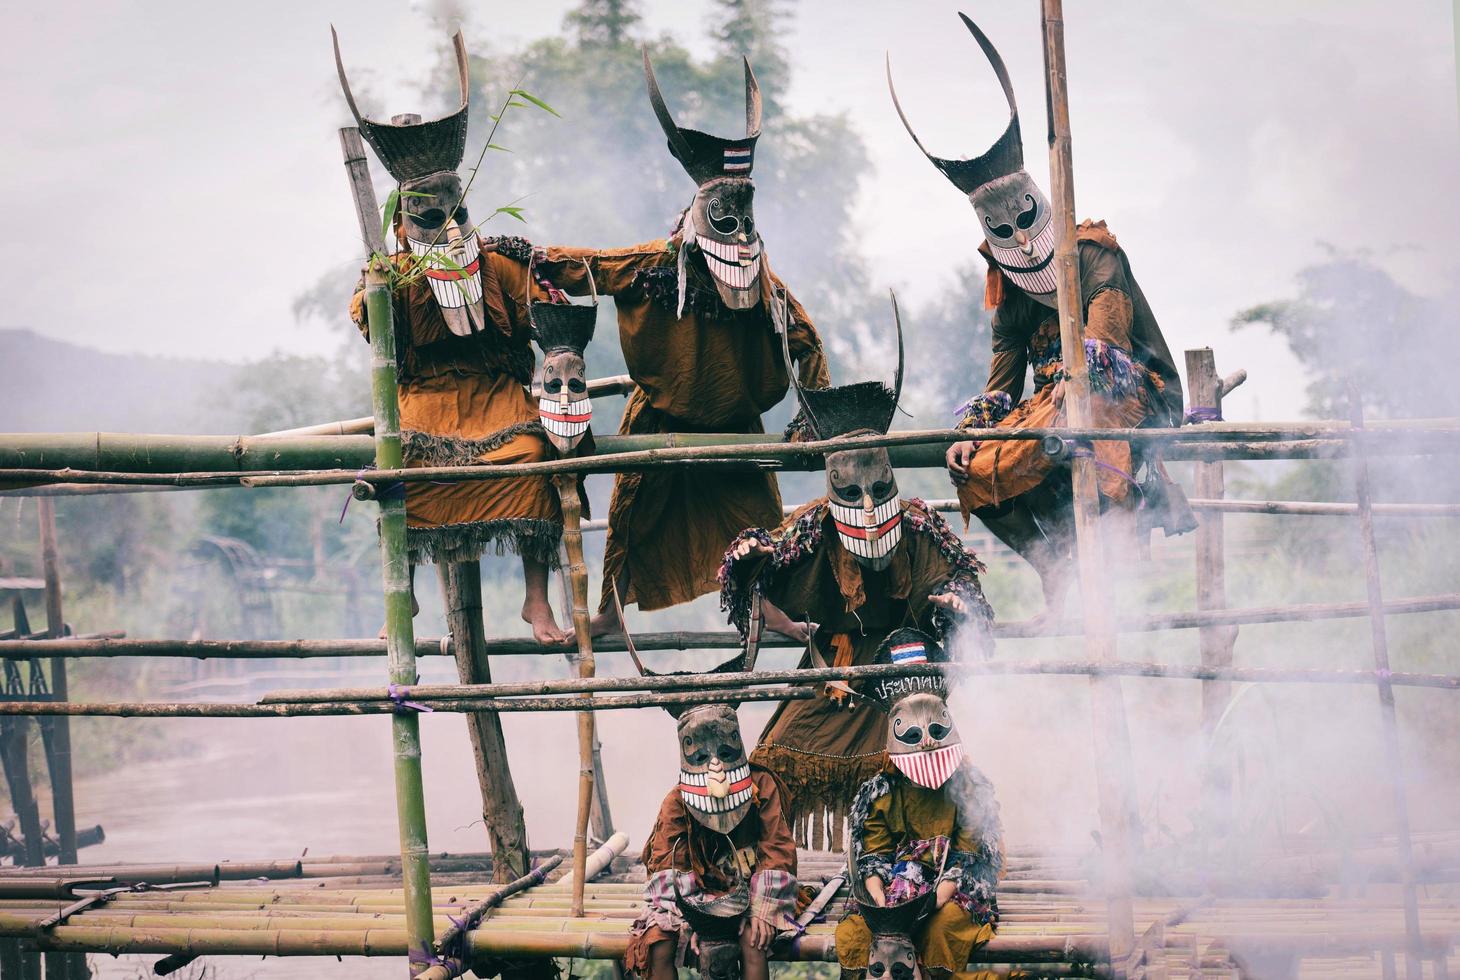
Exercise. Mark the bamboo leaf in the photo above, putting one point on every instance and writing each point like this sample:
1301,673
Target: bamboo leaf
509,210
494,146
392,202
536,101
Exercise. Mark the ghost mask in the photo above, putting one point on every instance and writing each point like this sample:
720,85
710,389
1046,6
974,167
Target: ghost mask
862,495
714,772
923,741
1013,213
563,331
422,155
860,486
719,224
892,957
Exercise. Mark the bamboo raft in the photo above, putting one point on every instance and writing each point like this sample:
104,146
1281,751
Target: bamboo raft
1053,921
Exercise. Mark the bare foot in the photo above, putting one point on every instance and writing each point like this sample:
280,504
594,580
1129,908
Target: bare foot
544,625
604,624
415,611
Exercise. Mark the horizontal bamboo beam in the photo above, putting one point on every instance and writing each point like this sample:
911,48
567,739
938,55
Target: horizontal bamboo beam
213,709
1305,508
680,640
318,460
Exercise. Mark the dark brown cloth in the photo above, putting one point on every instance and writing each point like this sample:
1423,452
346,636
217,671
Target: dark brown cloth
710,370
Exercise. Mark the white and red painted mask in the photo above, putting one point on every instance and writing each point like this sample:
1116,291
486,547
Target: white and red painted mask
563,331
435,225
922,740
714,772
862,496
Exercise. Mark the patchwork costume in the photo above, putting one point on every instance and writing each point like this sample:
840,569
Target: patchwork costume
699,343
464,358
721,848
927,818
1133,379
859,562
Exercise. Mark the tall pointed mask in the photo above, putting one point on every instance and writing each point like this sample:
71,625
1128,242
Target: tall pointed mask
720,222
860,486
1015,215
422,155
563,331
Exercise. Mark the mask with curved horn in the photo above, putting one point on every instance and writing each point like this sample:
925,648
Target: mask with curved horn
1015,215
432,219
720,221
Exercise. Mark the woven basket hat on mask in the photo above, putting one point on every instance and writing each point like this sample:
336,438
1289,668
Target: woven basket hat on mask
861,487
1016,217
714,768
563,331
432,221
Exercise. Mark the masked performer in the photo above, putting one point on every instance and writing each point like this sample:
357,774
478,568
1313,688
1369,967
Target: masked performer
859,562
721,860
1014,487
927,844
699,344
463,360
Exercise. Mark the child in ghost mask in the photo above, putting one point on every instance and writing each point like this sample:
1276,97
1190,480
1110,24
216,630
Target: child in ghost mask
924,830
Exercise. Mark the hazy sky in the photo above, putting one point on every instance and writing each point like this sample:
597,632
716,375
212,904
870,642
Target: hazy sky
192,148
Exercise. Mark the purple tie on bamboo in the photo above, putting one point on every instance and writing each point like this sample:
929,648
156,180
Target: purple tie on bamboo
1201,413
383,491
398,697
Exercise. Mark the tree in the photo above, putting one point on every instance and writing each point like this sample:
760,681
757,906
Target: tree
603,23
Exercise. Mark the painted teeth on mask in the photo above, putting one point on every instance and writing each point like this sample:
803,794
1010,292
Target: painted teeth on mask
723,260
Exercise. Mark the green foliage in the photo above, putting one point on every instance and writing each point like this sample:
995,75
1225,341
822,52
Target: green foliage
1352,321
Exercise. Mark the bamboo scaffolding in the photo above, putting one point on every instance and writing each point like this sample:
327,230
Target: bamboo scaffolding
394,560
1388,715
160,460
1113,766
683,640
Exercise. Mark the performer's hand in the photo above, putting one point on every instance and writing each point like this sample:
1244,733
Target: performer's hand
694,943
873,884
959,455
946,891
749,546
950,602
758,932
1059,393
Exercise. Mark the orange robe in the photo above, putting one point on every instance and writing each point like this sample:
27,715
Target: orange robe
710,370
1132,377
465,401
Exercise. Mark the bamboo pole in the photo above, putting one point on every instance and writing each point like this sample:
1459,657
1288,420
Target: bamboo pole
1112,738
461,583
1388,715
572,506
685,640
58,732
453,936
394,560
1204,388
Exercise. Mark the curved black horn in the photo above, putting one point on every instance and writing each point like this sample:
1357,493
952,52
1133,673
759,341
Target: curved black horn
897,384
344,80
752,102
666,121
1005,156
781,314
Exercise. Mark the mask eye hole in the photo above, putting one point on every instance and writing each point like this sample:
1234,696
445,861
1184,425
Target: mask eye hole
698,757
881,489
999,231
729,753
876,969
461,217
577,386
910,736
429,218
938,732
850,492
553,385
1026,218
724,224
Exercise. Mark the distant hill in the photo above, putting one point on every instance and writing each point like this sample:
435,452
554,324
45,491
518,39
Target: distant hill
49,385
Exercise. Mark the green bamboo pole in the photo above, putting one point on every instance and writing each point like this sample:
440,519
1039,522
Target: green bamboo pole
410,796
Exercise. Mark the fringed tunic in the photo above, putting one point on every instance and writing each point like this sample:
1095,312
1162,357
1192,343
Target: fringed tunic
897,829
1132,378
824,749
465,401
710,369
684,852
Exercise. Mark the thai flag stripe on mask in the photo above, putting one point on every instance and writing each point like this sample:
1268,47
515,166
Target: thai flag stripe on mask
737,159
909,653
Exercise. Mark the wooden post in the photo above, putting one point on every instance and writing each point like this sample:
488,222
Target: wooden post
1113,768
600,816
461,584
410,798
572,505
1204,391
1388,716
